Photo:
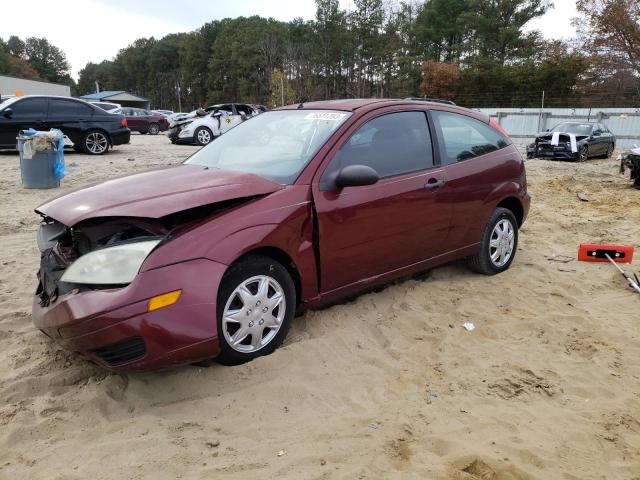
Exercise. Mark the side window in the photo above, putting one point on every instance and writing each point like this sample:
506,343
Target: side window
68,108
30,109
391,144
461,137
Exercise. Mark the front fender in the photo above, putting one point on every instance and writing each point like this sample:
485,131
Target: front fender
293,242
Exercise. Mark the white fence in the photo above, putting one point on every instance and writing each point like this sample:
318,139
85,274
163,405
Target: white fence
523,123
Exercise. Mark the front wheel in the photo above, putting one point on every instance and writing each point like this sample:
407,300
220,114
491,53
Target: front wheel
154,128
203,136
498,244
583,153
95,142
256,304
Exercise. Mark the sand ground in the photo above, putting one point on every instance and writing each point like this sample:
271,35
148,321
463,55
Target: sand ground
386,386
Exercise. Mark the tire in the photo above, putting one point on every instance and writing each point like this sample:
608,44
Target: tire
202,136
610,148
243,332
154,129
583,153
95,142
482,262
142,133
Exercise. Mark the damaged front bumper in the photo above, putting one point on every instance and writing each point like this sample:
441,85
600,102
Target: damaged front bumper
546,150
631,160
115,329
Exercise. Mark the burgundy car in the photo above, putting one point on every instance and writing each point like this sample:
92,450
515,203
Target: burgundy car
294,209
144,121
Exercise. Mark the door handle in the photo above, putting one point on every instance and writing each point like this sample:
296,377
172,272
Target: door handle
434,183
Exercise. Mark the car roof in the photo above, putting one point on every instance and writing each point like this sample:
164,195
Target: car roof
363,105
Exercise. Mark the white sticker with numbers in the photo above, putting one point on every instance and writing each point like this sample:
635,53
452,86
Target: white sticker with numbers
332,116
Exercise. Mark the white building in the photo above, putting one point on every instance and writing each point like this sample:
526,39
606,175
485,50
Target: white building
22,86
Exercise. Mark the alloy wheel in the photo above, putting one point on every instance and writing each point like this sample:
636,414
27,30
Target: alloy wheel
96,143
253,314
501,243
204,137
584,154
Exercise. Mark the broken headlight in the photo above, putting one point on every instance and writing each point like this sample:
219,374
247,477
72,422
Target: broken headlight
116,265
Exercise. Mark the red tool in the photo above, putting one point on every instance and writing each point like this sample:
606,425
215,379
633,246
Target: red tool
594,252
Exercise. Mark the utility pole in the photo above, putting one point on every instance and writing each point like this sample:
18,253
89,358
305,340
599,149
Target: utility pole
179,97
540,113
282,89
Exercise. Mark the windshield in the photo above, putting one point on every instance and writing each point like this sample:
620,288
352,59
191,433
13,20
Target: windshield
575,128
276,145
8,101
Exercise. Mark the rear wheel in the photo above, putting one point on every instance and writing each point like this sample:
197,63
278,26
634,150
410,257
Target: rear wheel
154,128
498,244
95,142
202,136
610,150
256,304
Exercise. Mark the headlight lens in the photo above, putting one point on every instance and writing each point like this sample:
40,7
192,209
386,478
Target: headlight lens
110,266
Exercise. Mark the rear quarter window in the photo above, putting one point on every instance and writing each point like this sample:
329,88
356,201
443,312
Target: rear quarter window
461,137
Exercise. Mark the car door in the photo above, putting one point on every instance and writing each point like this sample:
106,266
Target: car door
367,231
70,116
476,161
229,119
601,139
28,112
135,120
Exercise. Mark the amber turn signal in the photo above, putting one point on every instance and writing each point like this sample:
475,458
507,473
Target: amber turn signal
164,300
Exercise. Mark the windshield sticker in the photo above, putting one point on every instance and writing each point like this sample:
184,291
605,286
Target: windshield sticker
325,116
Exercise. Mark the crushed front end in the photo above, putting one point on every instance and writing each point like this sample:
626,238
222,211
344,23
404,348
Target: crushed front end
631,160
544,146
158,318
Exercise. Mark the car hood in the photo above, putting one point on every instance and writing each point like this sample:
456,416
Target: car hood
155,194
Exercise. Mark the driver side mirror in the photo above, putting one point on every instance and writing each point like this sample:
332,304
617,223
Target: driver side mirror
356,176
8,112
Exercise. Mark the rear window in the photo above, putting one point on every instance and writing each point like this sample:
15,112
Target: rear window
461,137
68,108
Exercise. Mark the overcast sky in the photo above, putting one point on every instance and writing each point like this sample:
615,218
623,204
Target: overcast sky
94,30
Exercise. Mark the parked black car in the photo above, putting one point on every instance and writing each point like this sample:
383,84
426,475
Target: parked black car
573,140
90,128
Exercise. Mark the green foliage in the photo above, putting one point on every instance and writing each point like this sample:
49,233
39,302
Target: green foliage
48,60
376,49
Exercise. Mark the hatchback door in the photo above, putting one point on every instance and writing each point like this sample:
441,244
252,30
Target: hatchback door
30,112
367,231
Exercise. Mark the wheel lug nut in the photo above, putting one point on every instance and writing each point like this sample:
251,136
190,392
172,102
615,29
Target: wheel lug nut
250,324
258,303
264,310
261,321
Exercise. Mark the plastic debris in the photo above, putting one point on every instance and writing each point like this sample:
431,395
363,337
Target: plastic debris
583,196
281,452
373,425
468,326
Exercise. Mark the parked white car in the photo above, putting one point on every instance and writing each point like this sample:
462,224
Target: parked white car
204,125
